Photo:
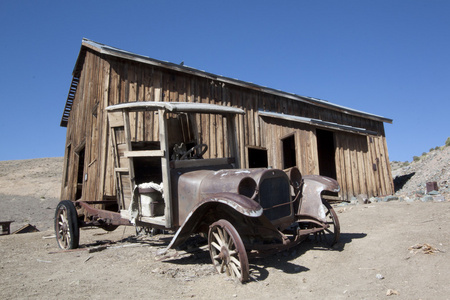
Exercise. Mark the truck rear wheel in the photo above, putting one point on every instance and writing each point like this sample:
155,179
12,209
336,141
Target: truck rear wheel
67,230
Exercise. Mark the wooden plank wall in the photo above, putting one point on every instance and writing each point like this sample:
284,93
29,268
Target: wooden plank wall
106,81
85,130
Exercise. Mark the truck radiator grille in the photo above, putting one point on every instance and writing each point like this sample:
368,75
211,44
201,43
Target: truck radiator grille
273,192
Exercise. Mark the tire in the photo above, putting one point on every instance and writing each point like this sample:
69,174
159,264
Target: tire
67,230
227,251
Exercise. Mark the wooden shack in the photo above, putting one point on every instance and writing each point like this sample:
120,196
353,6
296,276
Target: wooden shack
279,129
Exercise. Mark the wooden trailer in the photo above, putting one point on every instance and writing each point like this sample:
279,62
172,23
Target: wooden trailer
279,130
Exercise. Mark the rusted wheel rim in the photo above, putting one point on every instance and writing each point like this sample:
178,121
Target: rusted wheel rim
227,250
330,235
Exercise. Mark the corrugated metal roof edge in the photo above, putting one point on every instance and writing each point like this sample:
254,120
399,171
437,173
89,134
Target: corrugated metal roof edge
108,50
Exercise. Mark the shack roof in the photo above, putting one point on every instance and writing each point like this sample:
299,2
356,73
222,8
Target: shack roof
112,51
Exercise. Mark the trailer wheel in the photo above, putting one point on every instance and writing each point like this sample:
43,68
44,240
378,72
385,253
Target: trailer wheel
227,250
330,235
66,225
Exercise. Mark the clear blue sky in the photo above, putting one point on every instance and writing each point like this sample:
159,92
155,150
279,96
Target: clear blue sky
390,58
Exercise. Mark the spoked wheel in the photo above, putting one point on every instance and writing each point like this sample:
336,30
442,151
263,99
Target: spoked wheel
227,250
66,225
330,235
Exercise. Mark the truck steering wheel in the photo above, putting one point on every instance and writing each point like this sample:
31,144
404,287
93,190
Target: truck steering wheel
200,147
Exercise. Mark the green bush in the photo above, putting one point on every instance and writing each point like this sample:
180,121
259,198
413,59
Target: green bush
424,153
437,148
447,142
416,158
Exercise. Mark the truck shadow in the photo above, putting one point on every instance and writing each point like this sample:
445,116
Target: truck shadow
160,241
197,253
282,260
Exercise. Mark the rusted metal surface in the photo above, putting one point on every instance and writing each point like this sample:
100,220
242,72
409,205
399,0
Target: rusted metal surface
102,216
195,186
216,202
311,202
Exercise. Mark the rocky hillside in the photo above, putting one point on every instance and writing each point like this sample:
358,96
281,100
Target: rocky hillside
410,179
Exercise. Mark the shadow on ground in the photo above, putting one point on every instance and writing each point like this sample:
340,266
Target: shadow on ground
197,253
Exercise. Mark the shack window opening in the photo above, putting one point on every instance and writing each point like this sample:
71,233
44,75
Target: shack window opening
289,157
257,158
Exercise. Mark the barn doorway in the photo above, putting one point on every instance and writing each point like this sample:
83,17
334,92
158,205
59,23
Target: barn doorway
326,152
289,157
257,158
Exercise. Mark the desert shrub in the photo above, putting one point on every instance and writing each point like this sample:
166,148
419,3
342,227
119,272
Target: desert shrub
416,158
424,153
404,164
447,142
431,149
437,148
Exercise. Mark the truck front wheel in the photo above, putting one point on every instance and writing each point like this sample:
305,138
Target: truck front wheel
227,250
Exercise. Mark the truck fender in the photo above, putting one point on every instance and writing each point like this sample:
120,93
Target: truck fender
238,203
311,202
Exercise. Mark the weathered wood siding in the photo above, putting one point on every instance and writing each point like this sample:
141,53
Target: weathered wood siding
362,163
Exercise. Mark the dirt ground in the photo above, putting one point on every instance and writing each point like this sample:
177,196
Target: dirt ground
378,255
393,249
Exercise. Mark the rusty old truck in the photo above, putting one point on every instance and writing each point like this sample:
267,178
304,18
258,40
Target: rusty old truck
176,187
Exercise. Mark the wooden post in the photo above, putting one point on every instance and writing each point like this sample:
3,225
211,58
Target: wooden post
104,131
126,121
163,138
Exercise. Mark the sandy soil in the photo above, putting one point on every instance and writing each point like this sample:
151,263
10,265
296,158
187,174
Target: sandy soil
391,249
376,239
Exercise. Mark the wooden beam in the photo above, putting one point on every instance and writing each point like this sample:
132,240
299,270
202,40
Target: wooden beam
144,153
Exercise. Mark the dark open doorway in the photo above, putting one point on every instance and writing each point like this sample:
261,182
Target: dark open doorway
326,152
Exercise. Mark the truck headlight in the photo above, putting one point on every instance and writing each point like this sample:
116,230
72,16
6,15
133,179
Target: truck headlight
295,177
247,187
